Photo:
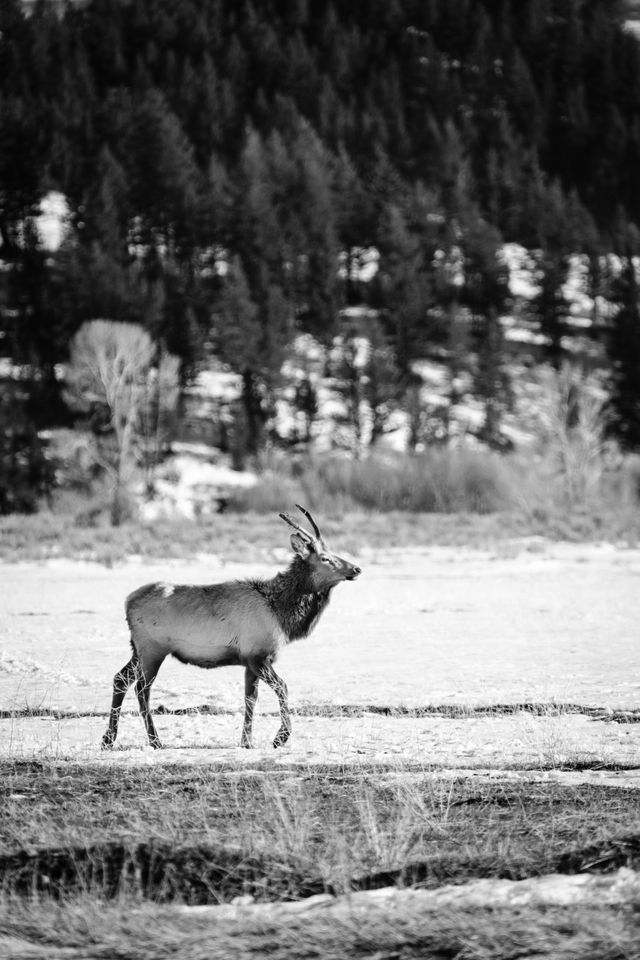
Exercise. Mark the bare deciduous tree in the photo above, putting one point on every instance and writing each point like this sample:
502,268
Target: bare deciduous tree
112,366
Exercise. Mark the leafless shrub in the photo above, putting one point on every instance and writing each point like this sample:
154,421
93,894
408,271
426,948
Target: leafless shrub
573,425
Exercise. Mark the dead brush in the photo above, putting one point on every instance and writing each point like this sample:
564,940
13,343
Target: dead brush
574,423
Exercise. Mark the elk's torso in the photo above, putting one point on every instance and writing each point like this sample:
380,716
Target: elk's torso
225,623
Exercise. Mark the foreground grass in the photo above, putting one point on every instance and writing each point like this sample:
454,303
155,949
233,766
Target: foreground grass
254,536
212,836
95,862
296,832
85,930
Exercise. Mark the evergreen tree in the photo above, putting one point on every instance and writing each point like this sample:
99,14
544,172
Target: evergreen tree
163,176
382,382
242,341
305,402
492,381
26,476
404,281
550,306
624,352
349,384
36,325
311,224
485,293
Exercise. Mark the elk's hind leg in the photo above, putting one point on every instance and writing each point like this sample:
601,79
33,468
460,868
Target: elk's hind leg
121,683
251,681
145,675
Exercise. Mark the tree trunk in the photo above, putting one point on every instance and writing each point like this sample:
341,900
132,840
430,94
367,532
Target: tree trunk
254,413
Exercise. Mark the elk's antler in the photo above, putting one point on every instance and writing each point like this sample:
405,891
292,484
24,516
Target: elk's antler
296,526
311,521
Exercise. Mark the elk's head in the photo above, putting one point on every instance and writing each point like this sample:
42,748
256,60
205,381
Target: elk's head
326,568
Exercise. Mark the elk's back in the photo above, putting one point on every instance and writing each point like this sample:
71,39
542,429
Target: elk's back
210,626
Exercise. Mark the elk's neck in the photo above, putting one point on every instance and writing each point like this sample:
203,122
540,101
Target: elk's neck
293,599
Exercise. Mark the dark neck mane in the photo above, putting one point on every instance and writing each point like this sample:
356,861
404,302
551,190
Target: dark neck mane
295,602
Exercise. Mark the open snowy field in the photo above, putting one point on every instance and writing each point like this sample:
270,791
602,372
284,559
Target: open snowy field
546,623
465,734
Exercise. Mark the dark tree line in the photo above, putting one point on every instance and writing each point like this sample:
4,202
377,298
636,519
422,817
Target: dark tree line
219,157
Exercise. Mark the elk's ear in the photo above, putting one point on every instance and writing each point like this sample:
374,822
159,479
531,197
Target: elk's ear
300,546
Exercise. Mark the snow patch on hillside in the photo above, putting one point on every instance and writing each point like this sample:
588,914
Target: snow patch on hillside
521,266
53,221
190,484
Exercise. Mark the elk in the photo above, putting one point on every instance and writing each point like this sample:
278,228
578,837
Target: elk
241,622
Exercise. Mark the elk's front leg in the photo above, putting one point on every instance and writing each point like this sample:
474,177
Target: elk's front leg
279,687
251,681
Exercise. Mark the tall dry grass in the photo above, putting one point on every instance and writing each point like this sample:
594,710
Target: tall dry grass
440,480
291,830
570,476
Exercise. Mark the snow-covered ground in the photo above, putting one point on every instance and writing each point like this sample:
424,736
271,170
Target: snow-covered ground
533,622
190,484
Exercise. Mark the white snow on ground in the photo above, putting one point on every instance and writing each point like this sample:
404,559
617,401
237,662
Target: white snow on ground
503,743
554,889
361,264
521,265
433,374
524,284
575,291
52,223
8,369
518,332
307,357
188,485
217,383
528,622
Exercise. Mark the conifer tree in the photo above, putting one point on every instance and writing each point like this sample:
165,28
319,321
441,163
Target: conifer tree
382,382
26,476
242,341
163,176
550,305
485,293
404,282
624,353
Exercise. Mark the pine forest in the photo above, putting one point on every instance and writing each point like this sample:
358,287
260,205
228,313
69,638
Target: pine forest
307,237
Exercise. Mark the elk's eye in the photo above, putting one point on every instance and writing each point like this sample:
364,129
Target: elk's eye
325,560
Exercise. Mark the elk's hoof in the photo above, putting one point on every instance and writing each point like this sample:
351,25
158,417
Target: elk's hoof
156,744
246,744
107,742
281,739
